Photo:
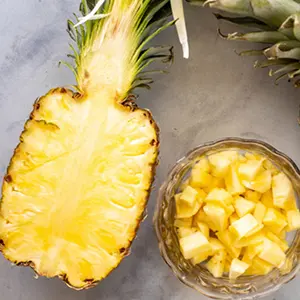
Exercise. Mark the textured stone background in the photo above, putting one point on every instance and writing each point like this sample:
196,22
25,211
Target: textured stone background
214,94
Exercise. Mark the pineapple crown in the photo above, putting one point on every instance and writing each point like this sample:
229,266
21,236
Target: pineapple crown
117,32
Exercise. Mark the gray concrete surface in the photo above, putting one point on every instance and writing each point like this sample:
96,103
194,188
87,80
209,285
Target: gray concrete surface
214,94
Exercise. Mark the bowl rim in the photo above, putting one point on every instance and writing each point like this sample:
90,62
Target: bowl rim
162,246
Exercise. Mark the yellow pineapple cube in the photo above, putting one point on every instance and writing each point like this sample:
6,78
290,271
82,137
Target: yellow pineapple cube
269,166
183,232
217,215
215,183
237,268
234,217
203,165
254,156
232,181
243,206
227,266
274,220
200,178
293,218
274,238
194,244
221,161
253,250
189,196
184,222
216,264
260,267
228,240
272,253
201,195
251,240
216,245
229,210
267,199
249,170
203,228
201,257
202,217
259,212
252,195
255,230
220,197
243,226
283,193
261,183
184,210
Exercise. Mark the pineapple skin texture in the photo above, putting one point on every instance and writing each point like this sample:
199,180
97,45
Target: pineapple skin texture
37,245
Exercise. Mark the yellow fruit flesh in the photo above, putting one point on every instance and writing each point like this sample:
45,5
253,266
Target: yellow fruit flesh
77,186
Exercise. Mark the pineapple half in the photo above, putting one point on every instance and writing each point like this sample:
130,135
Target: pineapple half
78,182
274,22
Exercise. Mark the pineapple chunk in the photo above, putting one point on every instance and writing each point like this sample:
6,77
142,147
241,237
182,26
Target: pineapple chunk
228,240
275,220
243,226
189,196
252,195
216,264
272,253
227,266
216,245
183,232
201,257
267,199
255,230
233,183
253,250
259,212
274,238
234,217
220,197
203,228
293,218
269,166
217,215
202,217
260,267
249,170
200,178
243,206
184,210
253,156
251,240
194,245
185,222
203,165
237,268
221,161
283,193
261,183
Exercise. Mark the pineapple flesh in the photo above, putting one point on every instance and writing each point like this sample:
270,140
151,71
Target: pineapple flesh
78,182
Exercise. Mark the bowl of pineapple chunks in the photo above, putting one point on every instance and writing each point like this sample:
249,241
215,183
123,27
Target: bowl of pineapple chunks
227,219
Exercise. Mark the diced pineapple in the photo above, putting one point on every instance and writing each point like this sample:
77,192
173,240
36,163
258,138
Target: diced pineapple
274,220
260,267
185,222
253,156
194,244
253,250
201,195
234,217
274,238
201,257
203,165
243,206
252,195
227,266
249,170
216,245
283,193
293,218
232,181
189,196
243,226
237,268
203,228
228,240
267,199
200,178
220,197
259,212
220,163
272,253
251,240
217,215
242,158
183,232
184,210
261,183
229,210
216,264
215,183
255,230
269,166
202,217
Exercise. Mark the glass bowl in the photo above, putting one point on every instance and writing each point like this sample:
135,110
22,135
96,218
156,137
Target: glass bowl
197,277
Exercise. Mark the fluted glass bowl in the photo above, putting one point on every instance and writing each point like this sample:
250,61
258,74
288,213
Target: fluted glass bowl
197,277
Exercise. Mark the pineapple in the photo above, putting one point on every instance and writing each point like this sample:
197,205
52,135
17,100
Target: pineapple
237,268
77,185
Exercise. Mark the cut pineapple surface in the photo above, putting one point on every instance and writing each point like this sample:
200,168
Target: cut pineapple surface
77,184
238,213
